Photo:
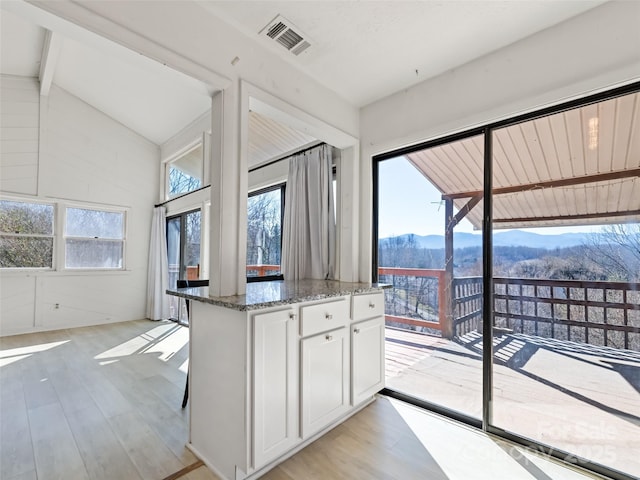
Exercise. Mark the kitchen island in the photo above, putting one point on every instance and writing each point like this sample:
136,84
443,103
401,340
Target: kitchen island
274,369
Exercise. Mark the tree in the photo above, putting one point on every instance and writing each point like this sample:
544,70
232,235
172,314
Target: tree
264,230
28,244
181,182
616,250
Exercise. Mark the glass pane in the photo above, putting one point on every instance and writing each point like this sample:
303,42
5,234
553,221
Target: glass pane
434,262
567,282
26,252
26,218
173,249
264,231
93,253
94,223
185,173
192,245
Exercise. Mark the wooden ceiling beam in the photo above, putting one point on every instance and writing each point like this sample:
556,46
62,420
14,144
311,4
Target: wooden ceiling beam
50,53
584,216
565,182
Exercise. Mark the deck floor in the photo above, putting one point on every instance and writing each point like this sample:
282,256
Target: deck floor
578,398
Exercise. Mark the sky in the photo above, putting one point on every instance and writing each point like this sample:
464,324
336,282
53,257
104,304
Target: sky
408,203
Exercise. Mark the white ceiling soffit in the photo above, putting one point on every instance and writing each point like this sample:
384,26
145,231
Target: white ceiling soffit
269,139
368,50
592,141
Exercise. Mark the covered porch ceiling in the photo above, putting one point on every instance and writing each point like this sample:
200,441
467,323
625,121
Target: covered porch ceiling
578,167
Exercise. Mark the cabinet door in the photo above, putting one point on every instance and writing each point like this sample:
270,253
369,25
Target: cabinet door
325,379
275,395
367,359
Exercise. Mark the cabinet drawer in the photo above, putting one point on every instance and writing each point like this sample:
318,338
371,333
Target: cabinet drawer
324,316
367,306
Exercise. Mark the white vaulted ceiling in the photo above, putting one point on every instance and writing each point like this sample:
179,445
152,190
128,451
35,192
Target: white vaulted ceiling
367,50
363,51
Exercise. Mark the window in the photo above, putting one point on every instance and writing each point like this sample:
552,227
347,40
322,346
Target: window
183,254
26,234
265,209
184,174
94,238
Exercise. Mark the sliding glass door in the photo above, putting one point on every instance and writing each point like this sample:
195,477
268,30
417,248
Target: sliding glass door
430,250
514,255
566,273
183,253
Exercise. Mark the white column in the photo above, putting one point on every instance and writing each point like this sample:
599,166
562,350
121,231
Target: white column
348,219
228,197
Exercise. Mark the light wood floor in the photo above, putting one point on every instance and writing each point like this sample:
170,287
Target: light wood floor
104,403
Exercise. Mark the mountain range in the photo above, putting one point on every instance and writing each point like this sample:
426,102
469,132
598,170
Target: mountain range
512,238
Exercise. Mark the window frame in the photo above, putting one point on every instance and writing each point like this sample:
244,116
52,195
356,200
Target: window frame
64,237
182,215
198,143
53,235
282,186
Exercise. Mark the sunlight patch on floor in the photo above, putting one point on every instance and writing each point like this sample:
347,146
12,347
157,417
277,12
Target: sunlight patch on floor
12,355
164,339
463,452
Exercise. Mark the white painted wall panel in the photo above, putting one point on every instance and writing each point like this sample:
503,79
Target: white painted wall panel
89,158
17,303
89,299
19,120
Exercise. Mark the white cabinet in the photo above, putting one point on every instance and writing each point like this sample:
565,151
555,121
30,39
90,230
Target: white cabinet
367,346
367,359
264,382
276,373
325,379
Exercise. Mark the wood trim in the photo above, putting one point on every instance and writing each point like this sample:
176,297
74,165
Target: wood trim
583,216
465,210
565,182
185,470
413,321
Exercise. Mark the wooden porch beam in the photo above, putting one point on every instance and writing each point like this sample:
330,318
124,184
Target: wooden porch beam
565,182
584,216
465,210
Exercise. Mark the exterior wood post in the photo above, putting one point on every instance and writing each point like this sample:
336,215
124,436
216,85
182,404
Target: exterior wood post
447,306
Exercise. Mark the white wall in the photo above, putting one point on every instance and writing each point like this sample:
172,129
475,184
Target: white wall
188,37
594,51
89,158
19,120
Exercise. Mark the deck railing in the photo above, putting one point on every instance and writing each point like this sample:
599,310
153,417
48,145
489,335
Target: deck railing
594,312
599,313
262,270
416,297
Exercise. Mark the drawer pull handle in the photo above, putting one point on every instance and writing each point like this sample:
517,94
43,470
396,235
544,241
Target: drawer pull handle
356,330
372,305
292,316
328,316
329,337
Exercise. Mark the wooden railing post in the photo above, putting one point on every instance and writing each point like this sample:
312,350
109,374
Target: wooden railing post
446,308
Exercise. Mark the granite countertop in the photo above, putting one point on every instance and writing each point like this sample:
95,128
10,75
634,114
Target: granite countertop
278,292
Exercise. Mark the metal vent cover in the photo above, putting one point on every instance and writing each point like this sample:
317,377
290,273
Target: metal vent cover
287,35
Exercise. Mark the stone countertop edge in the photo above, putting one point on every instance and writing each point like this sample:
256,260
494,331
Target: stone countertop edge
278,292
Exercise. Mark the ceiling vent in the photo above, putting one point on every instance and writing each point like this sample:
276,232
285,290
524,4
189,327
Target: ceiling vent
286,34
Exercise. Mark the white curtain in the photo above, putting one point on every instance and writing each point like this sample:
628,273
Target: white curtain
158,275
309,232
